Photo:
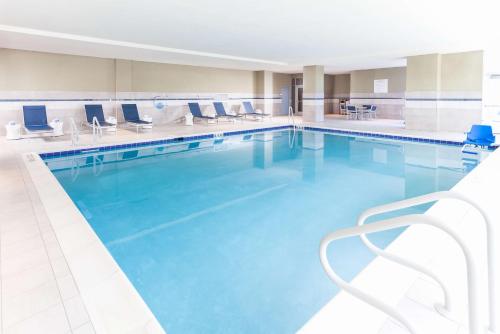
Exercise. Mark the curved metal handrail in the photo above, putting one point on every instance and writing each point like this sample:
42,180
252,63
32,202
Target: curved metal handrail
388,224
291,116
97,165
96,129
291,120
428,198
75,134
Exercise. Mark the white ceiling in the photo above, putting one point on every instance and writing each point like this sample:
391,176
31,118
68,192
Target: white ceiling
278,35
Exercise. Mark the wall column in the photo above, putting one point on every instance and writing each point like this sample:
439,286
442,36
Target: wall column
444,91
314,93
264,91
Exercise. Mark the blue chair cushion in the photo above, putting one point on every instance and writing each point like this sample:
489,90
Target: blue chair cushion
195,109
130,112
35,116
249,110
94,110
219,109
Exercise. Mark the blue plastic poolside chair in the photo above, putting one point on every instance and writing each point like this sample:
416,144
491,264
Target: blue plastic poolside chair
249,111
371,112
131,116
352,112
194,108
480,135
95,111
221,111
35,119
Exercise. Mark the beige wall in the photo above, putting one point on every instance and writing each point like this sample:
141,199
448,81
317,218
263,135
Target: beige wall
37,71
444,91
123,70
462,72
342,85
182,78
362,81
64,83
423,73
389,105
329,85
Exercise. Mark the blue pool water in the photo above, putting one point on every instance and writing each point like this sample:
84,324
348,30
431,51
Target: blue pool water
222,236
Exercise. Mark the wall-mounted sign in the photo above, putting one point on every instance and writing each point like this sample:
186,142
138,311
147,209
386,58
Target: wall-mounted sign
381,86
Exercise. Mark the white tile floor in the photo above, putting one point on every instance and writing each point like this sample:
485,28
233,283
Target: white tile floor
38,290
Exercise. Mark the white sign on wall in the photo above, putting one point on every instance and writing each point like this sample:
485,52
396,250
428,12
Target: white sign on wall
381,86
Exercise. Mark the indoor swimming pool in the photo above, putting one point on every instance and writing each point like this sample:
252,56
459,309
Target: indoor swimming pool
222,235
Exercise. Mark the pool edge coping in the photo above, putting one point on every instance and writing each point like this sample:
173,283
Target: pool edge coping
112,302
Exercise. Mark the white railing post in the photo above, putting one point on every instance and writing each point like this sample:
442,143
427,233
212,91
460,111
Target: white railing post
291,117
75,134
403,221
96,129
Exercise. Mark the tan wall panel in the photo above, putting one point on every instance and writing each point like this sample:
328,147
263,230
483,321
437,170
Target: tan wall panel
156,77
422,73
362,81
396,76
342,85
462,71
329,85
39,71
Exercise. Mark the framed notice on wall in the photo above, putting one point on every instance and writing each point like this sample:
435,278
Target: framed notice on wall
381,86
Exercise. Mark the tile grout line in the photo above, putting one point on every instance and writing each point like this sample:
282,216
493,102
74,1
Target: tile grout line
26,176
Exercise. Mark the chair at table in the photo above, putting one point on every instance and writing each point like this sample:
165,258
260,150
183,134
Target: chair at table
342,107
371,112
352,112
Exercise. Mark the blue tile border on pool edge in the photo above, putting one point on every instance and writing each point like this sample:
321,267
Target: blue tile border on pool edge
66,153
386,136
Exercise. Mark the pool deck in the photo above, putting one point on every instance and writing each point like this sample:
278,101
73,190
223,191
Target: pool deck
46,287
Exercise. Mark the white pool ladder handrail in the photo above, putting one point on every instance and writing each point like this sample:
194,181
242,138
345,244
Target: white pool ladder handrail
97,165
96,129
75,133
291,117
429,198
407,220
291,121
